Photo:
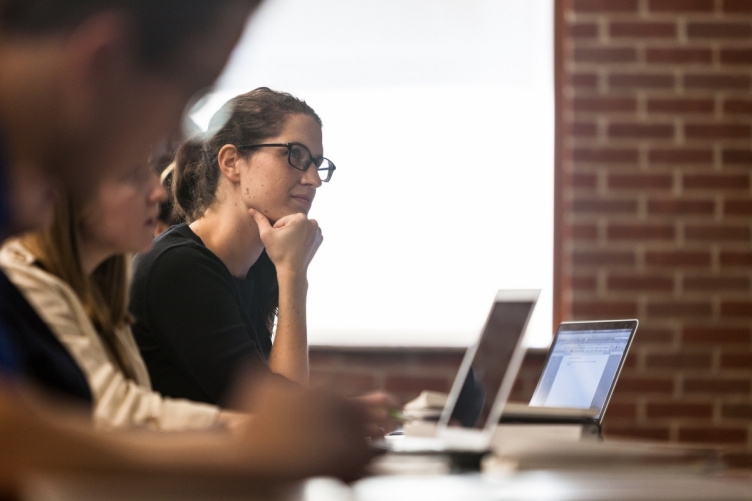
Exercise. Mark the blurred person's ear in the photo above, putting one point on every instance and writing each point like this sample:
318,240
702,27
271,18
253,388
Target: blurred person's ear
95,67
112,108
117,105
95,56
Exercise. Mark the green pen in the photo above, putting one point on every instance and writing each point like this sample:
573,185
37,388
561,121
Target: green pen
398,415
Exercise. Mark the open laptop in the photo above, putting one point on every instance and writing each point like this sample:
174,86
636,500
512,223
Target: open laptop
579,374
495,359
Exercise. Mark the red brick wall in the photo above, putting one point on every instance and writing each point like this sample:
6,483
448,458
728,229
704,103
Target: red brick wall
656,199
403,372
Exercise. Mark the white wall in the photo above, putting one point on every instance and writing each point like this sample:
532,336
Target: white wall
439,117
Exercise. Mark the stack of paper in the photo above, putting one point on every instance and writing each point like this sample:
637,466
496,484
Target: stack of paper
425,407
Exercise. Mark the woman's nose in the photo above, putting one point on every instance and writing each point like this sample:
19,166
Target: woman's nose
311,177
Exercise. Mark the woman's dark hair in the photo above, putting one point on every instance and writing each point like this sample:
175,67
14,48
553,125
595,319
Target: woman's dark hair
245,119
168,215
165,166
162,27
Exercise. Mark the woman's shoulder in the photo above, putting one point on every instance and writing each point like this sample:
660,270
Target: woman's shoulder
51,297
13,253
177,250
176,244
18,263
176,236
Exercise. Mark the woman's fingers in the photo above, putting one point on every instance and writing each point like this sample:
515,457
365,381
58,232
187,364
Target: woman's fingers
292,241
261,221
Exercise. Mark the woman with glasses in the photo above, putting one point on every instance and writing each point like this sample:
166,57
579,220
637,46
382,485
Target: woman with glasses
209,294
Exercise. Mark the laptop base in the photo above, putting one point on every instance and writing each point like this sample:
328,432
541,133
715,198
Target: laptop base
466,461
453,461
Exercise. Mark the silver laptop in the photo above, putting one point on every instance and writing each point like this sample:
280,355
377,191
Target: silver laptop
495,360
579,374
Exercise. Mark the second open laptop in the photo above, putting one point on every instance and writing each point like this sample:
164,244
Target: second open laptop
579,374
495,360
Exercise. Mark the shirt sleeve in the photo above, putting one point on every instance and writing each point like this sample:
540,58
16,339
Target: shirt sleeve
122,403
192,313
119,402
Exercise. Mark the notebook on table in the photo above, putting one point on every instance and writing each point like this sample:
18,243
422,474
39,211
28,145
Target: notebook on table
495,358
579,374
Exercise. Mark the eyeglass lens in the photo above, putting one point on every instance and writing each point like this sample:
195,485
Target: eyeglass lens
300,158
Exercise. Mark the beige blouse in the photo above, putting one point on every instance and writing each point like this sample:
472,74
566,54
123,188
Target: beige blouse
119,402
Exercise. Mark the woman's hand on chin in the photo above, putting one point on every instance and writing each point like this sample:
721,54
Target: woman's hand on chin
291,242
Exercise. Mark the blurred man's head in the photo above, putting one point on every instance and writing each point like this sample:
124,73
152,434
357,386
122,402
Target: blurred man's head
89,85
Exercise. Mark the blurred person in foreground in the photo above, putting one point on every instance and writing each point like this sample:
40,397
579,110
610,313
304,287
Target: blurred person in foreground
88,86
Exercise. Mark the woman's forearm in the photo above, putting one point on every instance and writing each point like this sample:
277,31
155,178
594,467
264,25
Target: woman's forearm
289,355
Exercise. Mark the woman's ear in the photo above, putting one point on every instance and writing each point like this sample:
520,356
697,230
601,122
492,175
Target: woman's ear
227,159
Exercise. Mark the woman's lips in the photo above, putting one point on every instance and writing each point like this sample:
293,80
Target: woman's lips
303,199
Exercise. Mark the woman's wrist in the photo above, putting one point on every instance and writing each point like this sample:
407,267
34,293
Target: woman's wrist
295,278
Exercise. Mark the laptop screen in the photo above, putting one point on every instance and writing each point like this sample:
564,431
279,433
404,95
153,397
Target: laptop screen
583,364
495,361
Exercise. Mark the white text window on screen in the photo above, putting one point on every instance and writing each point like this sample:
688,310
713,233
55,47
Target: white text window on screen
439,117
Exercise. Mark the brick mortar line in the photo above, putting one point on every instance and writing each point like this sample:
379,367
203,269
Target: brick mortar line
573,16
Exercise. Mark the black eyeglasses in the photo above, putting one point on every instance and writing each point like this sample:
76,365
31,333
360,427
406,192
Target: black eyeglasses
300,158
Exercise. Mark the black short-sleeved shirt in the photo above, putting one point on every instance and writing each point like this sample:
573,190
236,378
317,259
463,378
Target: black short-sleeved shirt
196,324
